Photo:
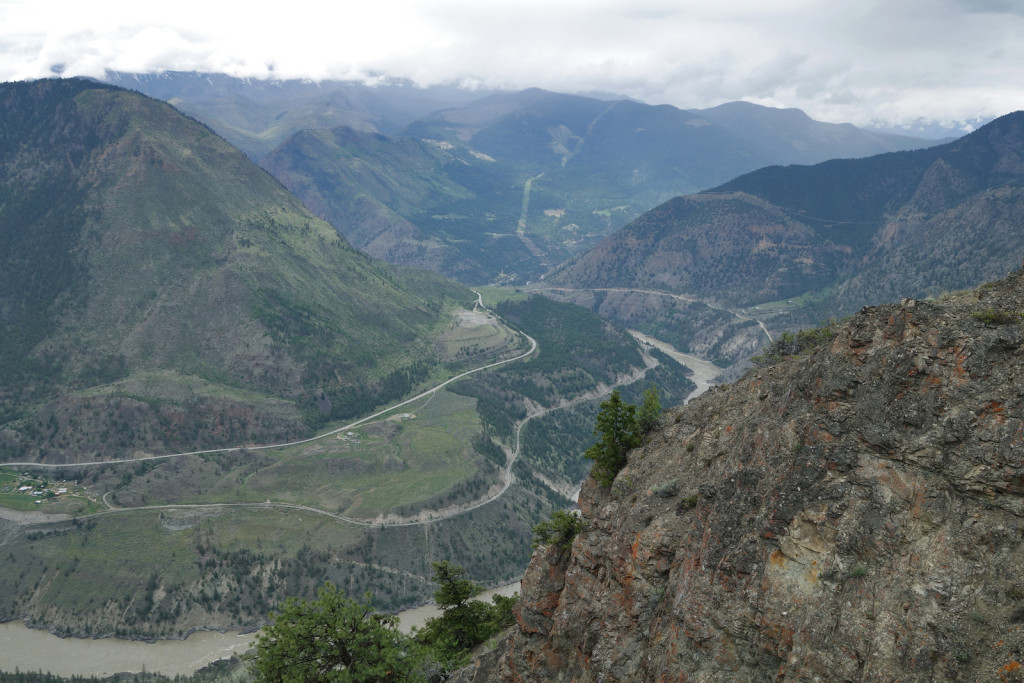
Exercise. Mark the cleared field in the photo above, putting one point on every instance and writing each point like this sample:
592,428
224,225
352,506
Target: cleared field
809,300
26,492
147,571
400,460
475,336
495,295
160,572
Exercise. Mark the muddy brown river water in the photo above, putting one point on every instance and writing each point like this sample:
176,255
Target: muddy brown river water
28,649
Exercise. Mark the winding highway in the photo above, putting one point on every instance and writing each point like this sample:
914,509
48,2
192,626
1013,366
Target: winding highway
428,392
423,517
426,517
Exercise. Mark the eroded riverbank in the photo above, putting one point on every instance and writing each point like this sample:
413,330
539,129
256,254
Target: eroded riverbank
704,372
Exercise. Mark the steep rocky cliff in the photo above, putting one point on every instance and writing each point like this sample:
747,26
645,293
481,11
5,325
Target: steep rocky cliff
852,513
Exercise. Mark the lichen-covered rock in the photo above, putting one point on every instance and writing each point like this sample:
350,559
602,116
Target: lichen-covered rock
853,513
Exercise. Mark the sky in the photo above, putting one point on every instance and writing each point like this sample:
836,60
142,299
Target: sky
867,62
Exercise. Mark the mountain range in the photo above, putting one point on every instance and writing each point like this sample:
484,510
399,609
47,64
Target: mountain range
159,292
840,234
185,347
789,136
507,187
256,115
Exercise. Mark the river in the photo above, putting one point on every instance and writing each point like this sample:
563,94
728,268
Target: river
704,372
29,649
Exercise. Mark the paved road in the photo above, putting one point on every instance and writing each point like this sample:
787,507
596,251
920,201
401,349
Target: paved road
533,347
424,517
427,516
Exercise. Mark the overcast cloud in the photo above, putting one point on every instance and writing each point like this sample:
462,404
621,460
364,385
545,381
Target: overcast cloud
868,61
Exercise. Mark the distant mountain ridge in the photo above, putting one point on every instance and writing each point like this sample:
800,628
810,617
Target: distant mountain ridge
847,232
793,137
256,115
546,129
150,273
521,181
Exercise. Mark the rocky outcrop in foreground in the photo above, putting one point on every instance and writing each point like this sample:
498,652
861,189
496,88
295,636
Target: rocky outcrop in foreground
852,513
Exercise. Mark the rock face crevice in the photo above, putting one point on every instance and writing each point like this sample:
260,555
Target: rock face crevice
852,513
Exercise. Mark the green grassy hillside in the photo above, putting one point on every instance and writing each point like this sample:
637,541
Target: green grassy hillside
135,241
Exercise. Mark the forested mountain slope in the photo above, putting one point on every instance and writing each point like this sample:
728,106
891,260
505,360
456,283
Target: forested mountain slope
843,232
505,188
158,290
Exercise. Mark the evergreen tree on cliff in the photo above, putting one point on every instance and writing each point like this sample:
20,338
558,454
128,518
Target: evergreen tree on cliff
619,431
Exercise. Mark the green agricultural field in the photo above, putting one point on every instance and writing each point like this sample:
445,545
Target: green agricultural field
495,295
11,497
795,312
608,212
416,454
19,500
214,551
792,302
160,572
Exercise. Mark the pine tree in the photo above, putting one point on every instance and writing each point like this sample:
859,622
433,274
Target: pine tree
619,431
334,638
650,411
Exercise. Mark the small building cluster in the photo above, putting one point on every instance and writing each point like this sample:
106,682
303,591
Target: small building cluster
43,489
